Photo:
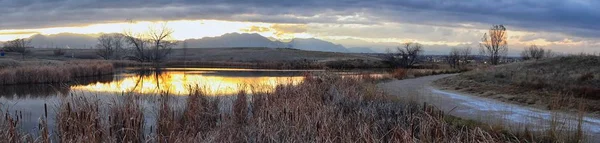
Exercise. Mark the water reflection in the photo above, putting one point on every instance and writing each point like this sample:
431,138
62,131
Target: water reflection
176,81
45,90
212,81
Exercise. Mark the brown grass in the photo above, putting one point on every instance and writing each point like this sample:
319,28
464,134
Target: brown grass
257,64
401,73
321,109
126,120
52,72
9,125
534,81
79,120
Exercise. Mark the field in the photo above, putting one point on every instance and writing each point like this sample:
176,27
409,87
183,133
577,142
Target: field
279,58
325,108
555,83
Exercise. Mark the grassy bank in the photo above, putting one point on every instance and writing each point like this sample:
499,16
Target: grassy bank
401,73
31,72
557,83
265,58
321,109
289,64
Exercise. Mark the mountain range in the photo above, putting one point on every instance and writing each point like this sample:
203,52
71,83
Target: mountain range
256,40
230,40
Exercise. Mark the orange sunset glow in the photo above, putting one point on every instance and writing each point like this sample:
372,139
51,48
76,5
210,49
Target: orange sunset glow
178,83
183,29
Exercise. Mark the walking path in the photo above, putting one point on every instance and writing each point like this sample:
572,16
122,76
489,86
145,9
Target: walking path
488,110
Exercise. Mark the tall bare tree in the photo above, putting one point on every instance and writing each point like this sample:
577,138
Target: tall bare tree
110,46
533,52
150,46
406,56
494,44
20,46
162,46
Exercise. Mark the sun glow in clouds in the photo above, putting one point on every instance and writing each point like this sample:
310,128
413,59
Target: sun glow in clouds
183,29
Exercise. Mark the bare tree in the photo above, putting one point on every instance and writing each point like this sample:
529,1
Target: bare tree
20,46
453,58
494,44
533,52
110,46
138,45
406,56
459,57
161,45
151,46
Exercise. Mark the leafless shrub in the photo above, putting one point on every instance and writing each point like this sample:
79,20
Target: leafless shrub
110,46
406,56
534,52
20,46
458,58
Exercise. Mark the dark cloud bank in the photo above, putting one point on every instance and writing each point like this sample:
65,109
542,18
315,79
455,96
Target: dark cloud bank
576,17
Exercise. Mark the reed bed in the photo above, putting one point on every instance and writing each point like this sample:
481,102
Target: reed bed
323,108
52,71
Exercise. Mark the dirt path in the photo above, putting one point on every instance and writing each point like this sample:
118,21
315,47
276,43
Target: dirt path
488,110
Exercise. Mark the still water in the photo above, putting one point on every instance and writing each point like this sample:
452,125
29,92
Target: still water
29,100
215,82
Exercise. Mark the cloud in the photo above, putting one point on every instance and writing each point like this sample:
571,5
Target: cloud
577,17
282,29
554,22
18,32
256,29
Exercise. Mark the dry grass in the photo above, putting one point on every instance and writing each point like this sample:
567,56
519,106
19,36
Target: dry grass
401,73
573,78
126,120
321,109
300,64
10,131
51,71
79,120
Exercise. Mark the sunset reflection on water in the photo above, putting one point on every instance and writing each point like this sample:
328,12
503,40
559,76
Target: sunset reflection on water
214,83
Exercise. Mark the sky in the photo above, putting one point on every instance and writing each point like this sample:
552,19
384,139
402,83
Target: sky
565,26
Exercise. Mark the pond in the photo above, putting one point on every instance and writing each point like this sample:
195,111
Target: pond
29,100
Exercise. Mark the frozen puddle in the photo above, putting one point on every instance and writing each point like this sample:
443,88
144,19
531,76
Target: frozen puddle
517,115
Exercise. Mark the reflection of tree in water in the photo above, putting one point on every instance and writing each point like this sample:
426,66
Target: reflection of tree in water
45,90
33,90
157,75
93,80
